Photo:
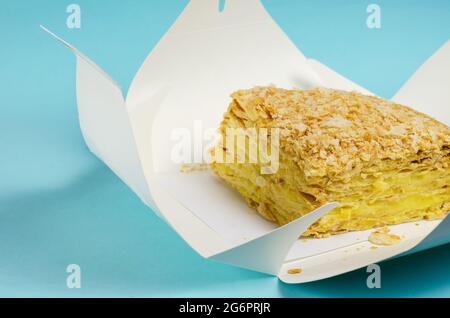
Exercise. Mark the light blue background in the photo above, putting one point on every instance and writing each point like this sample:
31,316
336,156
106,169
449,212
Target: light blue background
60,205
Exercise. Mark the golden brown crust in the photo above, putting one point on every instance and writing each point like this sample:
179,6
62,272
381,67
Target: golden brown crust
337,134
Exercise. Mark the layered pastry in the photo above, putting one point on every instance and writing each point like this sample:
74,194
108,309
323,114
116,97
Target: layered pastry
384,163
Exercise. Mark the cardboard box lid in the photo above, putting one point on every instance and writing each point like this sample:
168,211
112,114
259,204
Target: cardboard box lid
204,56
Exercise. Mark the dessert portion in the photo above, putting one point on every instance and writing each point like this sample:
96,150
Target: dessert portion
383,162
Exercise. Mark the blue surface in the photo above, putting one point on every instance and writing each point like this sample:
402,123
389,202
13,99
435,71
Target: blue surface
60,205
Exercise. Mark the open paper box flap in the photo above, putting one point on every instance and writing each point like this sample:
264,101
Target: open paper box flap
358,254
188,77
266,254
104,122
210,48
428,90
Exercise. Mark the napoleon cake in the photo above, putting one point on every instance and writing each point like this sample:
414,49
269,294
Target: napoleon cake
384,163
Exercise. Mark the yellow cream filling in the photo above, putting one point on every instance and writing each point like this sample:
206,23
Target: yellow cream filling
392,198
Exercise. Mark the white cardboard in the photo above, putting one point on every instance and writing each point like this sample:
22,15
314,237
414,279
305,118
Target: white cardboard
428,90
105,124
189,75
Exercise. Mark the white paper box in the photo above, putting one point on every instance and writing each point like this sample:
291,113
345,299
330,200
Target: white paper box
188,77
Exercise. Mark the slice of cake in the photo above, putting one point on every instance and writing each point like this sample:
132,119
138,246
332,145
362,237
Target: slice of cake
383,162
